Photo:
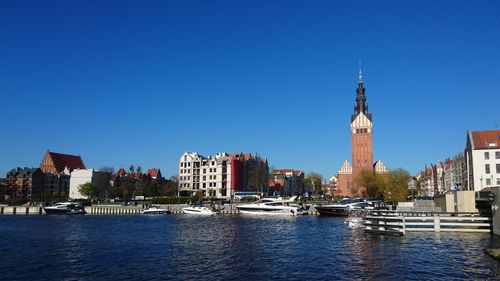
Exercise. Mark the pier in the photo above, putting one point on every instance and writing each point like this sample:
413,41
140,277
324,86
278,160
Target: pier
400,223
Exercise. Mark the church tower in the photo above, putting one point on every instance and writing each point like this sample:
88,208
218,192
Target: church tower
361,133
362,147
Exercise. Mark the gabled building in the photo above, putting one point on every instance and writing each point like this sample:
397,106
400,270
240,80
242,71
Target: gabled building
482,157
57,162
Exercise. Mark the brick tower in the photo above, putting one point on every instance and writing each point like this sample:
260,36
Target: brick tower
361,135
362,146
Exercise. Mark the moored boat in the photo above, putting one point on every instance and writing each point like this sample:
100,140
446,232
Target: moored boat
65,208
271,206
198,210
156,210
349,207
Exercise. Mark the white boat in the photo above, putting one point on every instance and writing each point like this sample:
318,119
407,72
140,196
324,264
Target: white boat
65,208
271,206
156,210
198,210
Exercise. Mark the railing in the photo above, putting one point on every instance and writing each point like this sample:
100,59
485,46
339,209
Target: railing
402,222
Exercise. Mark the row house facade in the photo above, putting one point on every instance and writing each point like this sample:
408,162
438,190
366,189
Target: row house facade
221,175
475,169
287,182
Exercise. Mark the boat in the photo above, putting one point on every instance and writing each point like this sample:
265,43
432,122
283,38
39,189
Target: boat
65,208
156,210
198,210
350,207
271,206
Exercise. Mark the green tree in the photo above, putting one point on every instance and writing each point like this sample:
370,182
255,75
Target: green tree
397,187
375,184
314,179
88,189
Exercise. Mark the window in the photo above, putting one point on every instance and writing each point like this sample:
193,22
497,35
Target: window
487,168
498,181
488,181
498,168
497,155
486,155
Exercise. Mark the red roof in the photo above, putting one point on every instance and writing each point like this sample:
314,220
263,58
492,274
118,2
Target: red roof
153,172
486,139
62,161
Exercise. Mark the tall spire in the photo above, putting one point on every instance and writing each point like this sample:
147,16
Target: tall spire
360,75
361,104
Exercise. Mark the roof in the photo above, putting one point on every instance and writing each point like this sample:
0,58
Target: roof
62,161
285,171
153,172
489,139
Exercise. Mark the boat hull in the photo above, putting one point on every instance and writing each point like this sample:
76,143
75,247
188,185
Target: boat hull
197,211
341,212
64,212
268,211
156,212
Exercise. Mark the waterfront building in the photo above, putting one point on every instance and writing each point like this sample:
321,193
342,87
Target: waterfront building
362,147
286,182
57,168
82,176
482,157
57,163
221,175
25,183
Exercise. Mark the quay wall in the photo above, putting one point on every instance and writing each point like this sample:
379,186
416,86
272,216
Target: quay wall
120,210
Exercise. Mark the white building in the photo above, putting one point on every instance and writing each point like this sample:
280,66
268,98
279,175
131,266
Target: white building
210,175
482,156
82,176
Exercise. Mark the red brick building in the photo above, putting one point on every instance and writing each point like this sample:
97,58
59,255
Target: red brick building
362,146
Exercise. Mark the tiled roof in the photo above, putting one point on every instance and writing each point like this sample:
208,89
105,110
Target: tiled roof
486,139
62,161
153,172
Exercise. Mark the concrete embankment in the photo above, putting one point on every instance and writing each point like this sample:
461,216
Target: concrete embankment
120,210
21,210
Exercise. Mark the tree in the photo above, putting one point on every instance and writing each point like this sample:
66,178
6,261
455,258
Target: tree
314,179
131,169
88,189
375,184
392,186
397,188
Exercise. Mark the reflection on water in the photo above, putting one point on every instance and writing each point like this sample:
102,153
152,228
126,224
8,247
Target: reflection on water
231,247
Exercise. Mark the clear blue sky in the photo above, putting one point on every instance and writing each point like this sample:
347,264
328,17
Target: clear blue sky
140,82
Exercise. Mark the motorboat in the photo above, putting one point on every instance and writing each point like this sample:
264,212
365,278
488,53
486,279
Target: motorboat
65,208
271,206
156,210
198,210
350,207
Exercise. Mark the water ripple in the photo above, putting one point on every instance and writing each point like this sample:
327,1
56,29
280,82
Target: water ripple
231,248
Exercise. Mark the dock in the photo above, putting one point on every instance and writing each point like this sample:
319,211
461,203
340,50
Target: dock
400,223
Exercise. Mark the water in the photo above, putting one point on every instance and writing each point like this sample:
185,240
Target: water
231,248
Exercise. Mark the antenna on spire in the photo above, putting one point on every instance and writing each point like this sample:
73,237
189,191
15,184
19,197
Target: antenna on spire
360,76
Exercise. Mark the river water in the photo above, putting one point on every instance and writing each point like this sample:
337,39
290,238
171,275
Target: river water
183,247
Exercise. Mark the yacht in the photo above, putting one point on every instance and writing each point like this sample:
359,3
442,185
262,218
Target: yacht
156,210
271,206
349,207
198,210
65,208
